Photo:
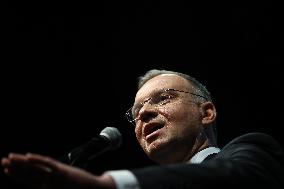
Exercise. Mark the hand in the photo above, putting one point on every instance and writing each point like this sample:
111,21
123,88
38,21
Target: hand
43,172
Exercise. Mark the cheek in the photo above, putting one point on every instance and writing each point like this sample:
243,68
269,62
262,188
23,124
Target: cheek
138,133
180,112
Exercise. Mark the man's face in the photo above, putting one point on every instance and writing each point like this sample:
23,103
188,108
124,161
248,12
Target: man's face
168,122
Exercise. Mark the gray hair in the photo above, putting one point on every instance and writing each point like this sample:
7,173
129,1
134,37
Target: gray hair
198,88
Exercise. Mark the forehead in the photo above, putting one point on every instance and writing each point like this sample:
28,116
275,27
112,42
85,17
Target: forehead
164,81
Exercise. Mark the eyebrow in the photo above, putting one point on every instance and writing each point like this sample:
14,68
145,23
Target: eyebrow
155,93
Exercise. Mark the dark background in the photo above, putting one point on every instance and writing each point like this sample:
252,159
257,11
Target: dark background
69,72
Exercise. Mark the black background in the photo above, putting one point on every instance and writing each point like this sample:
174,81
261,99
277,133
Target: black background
68,72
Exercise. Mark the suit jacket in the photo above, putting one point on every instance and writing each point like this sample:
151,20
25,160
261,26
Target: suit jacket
253,160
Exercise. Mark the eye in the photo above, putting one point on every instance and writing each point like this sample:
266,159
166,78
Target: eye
165,98
135,111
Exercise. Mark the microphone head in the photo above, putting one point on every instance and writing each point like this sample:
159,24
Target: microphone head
114,137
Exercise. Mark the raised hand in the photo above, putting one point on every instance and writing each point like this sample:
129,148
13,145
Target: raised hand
43,172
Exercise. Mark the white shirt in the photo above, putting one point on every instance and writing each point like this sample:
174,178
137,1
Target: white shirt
124,179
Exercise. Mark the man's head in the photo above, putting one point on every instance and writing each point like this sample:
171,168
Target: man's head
174,116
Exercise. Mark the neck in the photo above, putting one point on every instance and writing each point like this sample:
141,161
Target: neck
200,144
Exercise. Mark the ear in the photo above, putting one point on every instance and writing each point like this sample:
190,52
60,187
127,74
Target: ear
208,113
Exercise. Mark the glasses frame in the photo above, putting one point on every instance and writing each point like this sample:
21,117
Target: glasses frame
129,115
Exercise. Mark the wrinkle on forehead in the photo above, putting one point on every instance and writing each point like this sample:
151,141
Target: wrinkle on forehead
163,81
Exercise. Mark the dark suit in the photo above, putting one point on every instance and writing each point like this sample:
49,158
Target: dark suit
254,160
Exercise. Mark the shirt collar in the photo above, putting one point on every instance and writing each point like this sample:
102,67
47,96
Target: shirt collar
201,155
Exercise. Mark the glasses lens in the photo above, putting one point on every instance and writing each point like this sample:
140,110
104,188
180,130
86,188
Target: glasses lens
129,116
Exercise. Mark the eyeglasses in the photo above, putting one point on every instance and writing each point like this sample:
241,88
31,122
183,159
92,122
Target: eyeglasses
159,99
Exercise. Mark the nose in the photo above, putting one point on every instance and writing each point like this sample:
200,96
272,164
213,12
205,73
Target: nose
147,112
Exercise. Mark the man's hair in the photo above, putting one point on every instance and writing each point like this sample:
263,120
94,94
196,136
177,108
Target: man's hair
197,88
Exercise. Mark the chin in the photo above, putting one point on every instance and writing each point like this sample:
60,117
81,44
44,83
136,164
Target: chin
161,152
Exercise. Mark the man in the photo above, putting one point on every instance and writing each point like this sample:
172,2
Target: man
174,120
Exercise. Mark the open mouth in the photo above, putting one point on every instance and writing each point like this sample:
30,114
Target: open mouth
151,128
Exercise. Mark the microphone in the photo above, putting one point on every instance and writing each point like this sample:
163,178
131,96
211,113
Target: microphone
109,139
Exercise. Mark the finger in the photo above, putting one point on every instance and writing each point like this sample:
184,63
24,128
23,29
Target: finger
21,169
14,157
43,160
5,162
14,162
6,171
9,163
34,175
